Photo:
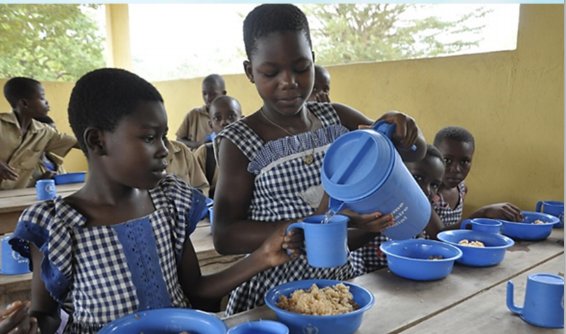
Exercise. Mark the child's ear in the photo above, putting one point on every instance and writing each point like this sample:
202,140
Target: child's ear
94,141
248,70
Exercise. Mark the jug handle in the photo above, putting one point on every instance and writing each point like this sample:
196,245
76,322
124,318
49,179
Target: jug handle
335,205
465,223
388,129
539,206
510,303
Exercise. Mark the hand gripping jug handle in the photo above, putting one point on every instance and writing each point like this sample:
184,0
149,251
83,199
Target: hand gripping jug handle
388,129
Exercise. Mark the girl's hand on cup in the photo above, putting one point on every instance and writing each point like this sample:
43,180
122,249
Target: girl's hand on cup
371,222
282,246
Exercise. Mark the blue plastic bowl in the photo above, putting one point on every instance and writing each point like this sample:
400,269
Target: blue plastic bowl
166,321
413,258
346,323
490,255
69,178
261,326
527,229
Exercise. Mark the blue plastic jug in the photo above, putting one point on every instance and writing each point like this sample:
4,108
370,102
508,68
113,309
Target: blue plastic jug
362,171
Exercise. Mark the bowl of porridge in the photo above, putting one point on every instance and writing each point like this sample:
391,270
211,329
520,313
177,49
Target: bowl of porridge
534,226
479,249
320,305
420,259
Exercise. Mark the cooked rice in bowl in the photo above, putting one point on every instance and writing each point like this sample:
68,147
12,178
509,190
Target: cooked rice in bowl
331,300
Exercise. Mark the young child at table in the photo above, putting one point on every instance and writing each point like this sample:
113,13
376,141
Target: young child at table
121,243
23,139
270,161
321,88
224,110
457,146
195,129
49,164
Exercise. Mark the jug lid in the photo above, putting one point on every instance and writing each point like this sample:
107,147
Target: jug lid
547,278
356,164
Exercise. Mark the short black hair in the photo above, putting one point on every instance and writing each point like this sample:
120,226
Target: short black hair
268,18
432,151
214,79
456,133
101,98
19,88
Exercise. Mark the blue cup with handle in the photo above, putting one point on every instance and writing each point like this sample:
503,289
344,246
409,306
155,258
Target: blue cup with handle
482,225
362,171
544,301
11,262
45,189
554,208
326,243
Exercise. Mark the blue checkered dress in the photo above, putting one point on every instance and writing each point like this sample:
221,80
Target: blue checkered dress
448,215
111,271
282,179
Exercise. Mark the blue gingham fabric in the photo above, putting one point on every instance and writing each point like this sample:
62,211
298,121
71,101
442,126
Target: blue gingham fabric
281,176
448,215
91,266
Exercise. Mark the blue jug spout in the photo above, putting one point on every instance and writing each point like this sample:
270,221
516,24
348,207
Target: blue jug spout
388,129
335,205
510,304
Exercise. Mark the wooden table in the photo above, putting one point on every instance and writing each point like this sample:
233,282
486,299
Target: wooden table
467,301
13,203
14,287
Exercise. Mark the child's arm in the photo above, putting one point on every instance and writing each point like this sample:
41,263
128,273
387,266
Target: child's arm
43,307
7,172
507,211
272,252
232,232
407,133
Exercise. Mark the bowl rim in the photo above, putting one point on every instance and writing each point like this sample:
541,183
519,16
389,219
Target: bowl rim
510,242
384,245
327,282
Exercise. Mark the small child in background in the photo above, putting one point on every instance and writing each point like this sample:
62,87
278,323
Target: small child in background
23,139
49,164
121,243
457,146
183,163
195,129
224,110
321,88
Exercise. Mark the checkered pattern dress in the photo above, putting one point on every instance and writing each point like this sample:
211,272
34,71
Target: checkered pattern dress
448,215
111,271
281,181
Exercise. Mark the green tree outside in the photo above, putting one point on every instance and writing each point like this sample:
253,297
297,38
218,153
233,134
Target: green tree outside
49,42
346,33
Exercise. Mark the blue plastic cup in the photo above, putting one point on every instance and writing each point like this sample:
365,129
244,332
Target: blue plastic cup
483,225
259,327
45,189
11,262
544,301
554,208
326,244
362,171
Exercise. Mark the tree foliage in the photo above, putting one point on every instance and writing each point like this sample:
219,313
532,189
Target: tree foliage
345,33
48,42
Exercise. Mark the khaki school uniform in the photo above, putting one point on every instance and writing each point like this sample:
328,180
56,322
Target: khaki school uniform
183,164
195,126
24,153
201,155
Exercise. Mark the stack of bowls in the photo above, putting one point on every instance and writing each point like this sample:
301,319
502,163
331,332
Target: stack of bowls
527,229
490,255
346,323
419,259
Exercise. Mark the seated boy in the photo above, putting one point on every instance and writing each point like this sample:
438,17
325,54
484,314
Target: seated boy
182,163
23,139
224,110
